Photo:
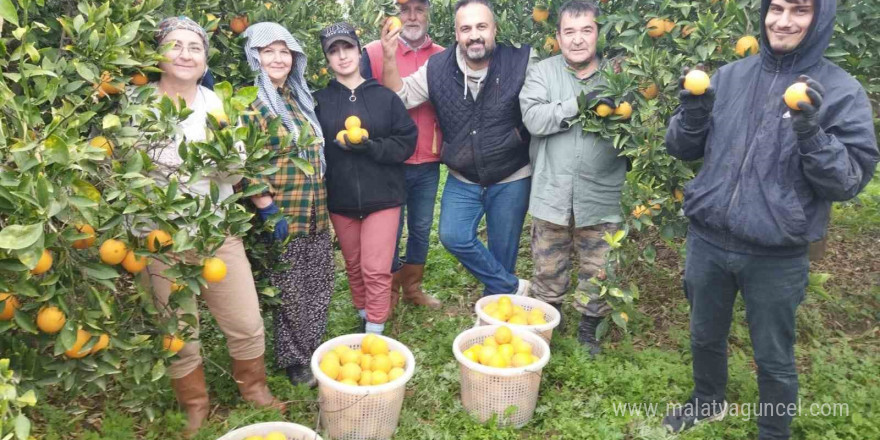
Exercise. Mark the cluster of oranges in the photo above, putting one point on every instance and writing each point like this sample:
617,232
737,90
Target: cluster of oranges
624,110
353,130
371,364
504,310
502,350
275,435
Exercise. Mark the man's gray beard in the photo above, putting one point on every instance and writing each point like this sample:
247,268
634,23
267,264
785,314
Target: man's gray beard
413,36
483,55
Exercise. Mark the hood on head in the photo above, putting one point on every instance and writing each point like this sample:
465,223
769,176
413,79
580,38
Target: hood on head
814,44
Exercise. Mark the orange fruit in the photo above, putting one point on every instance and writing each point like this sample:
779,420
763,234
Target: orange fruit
103,342
395,24
87,242
395,373
352,122
10,305
340,137
679,195
381,362
82,337
214,270
356,135
650,91
696,81
656,27
238,24
503,335
379,377
486,354
102,142
624,110
551,45
331,356
604,110
112,251
687,30
795,93
668,25
402,2
624,316
367,343
521,359
50,319
498,360
540,13
139,79
397,359
158,239
747,45
366,378
108,86
172,343
351,372
366,361
134,264
379,346
44,264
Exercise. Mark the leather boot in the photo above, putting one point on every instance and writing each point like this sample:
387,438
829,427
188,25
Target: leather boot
396,283
192,395
250,376
412,286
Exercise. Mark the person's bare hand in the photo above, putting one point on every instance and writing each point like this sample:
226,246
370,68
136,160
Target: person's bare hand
389,40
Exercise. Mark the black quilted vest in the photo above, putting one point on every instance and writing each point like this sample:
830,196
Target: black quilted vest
484,140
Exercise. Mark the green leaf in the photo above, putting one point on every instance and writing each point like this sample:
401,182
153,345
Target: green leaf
25,322
29,398
22,427
111,121
19,237
8,13
100,271
158,370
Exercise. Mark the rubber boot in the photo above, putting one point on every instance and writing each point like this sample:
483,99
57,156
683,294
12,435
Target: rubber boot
587,334
250,376
192,395
412,275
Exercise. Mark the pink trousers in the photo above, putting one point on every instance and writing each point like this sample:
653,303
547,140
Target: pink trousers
368,248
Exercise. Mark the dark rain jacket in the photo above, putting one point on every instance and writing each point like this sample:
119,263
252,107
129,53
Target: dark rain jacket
761,190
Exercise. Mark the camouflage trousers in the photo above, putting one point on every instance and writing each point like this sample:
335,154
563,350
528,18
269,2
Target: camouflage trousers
552,247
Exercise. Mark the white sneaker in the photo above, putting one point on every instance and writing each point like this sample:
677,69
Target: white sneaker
523,288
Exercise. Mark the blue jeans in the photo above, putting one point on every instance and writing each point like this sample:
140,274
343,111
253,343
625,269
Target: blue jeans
504,204
772,288
421,191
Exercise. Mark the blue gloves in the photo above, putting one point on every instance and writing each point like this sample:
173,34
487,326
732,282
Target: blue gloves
281,228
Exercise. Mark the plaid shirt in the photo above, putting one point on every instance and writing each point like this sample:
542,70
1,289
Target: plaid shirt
292,190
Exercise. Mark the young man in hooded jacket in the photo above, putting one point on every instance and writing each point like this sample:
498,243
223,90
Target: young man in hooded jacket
763,195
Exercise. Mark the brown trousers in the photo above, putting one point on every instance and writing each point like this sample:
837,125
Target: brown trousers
233,303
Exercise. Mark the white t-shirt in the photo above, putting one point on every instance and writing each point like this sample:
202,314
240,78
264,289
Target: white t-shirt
193,129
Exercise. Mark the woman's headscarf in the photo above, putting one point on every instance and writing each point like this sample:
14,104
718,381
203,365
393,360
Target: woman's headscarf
171,24
260,35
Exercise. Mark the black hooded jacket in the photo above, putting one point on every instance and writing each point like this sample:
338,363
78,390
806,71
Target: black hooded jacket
761,190
360,183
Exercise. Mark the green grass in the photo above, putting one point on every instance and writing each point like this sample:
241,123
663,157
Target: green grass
837,356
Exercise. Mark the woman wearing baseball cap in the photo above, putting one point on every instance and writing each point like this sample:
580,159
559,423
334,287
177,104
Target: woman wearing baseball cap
365,174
